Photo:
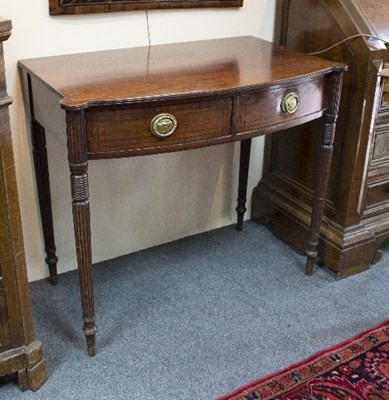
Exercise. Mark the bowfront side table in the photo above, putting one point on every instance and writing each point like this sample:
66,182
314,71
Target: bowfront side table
164,98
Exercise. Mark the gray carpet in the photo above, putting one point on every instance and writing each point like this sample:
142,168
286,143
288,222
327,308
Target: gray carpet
197,318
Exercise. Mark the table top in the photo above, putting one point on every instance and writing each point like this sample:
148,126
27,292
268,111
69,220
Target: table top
177,70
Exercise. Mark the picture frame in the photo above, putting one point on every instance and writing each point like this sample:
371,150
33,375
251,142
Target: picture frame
63,7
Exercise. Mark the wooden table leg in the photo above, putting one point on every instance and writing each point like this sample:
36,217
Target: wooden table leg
77,152
39,152
323,168
245,147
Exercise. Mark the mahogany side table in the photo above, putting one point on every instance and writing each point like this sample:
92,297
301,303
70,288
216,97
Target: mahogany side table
164,98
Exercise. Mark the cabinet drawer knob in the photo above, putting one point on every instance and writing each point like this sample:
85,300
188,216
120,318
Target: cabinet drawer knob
290,103
163,125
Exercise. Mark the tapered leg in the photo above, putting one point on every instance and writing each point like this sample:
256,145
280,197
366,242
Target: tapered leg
81,218
78,165
43,188
245,147
323,168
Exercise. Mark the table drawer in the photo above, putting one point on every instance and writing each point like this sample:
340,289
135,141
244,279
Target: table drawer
127,130
265,109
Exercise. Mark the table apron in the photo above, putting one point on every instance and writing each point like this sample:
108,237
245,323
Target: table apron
124,130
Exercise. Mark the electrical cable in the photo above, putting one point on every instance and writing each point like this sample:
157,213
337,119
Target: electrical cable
148,27
347,39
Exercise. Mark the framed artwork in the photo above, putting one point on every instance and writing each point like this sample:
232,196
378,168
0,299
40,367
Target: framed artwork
61,7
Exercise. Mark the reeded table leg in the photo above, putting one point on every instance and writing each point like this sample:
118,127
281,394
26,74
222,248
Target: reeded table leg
245,148
323,168
78,165
43,187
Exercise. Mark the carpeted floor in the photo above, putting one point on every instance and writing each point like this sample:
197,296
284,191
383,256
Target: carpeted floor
197,318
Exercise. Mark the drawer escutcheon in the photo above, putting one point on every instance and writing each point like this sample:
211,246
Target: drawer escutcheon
163,125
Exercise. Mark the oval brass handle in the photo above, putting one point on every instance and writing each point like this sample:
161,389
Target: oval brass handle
290,103
163,125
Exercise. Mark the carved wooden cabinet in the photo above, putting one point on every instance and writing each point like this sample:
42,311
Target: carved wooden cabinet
20,352
357,204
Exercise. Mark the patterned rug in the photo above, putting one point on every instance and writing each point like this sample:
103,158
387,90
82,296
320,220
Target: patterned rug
356,369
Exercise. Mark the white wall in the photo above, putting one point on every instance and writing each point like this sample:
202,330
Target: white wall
150,200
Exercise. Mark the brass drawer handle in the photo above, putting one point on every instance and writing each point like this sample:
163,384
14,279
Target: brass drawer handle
163,125
290,103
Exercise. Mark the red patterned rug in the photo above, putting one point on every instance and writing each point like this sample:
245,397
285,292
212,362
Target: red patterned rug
356,369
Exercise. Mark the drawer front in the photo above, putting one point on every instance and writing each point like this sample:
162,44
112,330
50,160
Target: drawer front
128,129
264,109
377,194
385,93
381,145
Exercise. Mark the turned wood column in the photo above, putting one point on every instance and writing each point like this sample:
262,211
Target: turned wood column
39,152
77,154
323,167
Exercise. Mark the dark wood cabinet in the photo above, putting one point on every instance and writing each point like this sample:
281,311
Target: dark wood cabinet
20,352
356,221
